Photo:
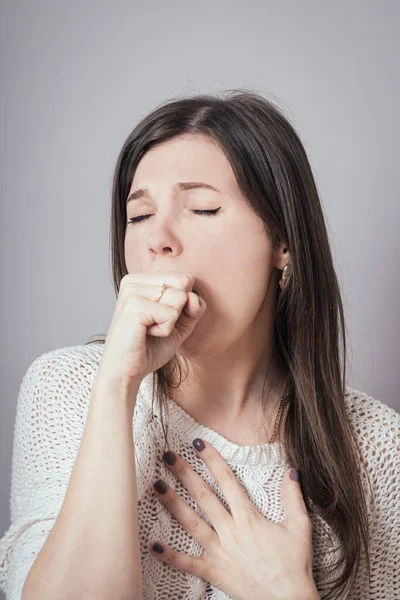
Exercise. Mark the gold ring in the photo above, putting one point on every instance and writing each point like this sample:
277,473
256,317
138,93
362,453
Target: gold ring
164,287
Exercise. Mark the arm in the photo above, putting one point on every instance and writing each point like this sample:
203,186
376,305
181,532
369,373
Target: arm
382,451
385,531
93,548
81,522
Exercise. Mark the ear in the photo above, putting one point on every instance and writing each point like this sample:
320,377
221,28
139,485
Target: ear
282,256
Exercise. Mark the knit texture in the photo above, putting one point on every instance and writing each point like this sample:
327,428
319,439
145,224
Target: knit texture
52,408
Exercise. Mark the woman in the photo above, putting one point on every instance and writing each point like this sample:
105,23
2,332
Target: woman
229,315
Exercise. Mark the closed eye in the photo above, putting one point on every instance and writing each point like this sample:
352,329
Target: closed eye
134,220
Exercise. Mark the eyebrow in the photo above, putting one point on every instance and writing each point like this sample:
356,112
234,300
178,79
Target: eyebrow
182,185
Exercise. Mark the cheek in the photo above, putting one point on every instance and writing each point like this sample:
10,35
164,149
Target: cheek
232,306
134,256
240,262
237,275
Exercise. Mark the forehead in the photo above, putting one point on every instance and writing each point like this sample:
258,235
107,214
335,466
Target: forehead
185,158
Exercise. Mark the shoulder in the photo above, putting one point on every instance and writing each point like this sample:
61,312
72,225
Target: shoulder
59,381
377,433
78,363
375,422
72,367
63,378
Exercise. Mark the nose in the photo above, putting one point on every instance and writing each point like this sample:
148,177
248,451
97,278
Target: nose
163,240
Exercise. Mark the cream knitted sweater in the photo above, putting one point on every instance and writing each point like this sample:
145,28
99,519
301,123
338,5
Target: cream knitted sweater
51,412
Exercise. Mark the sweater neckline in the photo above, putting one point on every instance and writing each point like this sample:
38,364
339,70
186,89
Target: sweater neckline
184,426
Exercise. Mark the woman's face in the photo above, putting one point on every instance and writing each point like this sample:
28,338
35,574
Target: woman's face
229,253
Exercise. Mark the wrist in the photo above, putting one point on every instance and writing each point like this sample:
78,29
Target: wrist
117,391
307,591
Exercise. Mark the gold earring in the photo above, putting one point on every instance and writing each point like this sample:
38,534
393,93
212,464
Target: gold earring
282,281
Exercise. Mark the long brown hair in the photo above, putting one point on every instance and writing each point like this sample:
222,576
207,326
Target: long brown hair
274,175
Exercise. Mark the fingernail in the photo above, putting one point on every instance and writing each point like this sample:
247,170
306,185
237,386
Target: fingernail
169,458
158,548
198,444
294,474
160,486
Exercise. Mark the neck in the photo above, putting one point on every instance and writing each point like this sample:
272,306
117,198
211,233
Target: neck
232,394
238,386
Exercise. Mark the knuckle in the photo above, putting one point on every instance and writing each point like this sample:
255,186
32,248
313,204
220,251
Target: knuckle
246,518
124,279
203,493
192,524
174,557
130,303
169,328
172,501
182,561
303,522
176,312
122,293
191,564
188,278
211,572
125,282
182,469
181,298
226,476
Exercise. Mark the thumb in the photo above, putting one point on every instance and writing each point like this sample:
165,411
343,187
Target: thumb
292,498
194,309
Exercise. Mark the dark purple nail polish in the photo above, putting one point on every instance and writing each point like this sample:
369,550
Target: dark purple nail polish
294,474
198,444
169,458
160,486
158,548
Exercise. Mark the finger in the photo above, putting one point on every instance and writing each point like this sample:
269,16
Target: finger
187,517
199,566
187,305
296,515
150,313
200,491
230,486
190,315
174,279
172,296
191,308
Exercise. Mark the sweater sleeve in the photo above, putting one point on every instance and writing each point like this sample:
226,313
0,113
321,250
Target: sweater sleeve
50,415
379,431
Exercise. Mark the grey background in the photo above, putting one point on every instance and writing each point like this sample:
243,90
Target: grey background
76,77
